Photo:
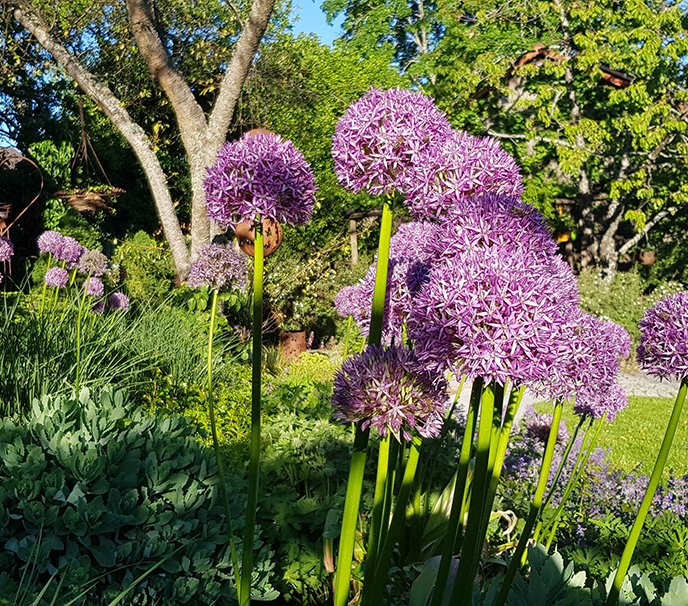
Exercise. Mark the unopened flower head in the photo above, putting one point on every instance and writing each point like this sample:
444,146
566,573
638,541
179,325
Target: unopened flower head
57,277
260,175
6,249
663,349
460,168
118,301
602,400
409,268
93,263
382,135
538,427
51,242
94,287
387,389
71,252
218,267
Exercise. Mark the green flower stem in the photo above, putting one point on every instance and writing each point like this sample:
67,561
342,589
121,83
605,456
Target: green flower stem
350,517
78,336
575,475
355,483
396,453
346,339
45,286
256,378
459,489
377,522
625,562
534,507
372,592
465,576
216,444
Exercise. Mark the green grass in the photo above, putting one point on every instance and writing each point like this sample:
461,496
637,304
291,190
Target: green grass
636,434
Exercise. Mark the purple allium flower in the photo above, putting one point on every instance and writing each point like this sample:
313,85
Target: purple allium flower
492,313
663,349
71,252
388,390
260,174
594,401
6,249
459,168
118,300
57,277
382,135
99,307
409,268
93,263
218,266
94,287
51,242
538,427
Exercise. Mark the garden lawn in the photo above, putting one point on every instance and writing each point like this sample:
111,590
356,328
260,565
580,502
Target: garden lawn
636,434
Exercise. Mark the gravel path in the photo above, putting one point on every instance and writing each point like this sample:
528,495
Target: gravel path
635,384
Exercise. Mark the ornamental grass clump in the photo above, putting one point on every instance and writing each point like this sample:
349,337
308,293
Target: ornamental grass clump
260,176
663,353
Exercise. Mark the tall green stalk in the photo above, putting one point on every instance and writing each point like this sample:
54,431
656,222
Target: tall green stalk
216,444
459,490
346,339
535,506
78,336
625,562
377,521
256,378
45,285
355,482
465,576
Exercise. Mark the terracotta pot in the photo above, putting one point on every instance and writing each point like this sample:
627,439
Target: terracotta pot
292,344
272,237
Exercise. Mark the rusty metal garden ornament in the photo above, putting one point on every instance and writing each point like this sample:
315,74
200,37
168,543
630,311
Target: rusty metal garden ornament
272,237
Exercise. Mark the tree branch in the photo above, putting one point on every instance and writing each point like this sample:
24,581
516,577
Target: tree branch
539,139
648,226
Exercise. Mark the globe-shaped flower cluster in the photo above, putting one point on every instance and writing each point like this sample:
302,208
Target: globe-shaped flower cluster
92,263
217,267
386,388
262,175
56,277
382,136
62,248
663,348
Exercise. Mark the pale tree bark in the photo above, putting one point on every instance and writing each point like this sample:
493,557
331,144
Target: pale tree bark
202,138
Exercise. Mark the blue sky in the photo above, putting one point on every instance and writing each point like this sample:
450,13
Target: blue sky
312,19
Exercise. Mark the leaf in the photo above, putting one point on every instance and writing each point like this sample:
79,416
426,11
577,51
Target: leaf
422,587
677,594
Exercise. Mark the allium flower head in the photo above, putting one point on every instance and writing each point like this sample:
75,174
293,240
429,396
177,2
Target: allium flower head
409,268
459,168
6,249
387,389
93,263
57,277
94,287
260,174
595,401
663,349
492,312
381,136
71,252
51,242
538,427
118,301
217,267
99,307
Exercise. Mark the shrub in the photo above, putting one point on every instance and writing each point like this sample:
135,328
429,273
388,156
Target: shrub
148,267
96,493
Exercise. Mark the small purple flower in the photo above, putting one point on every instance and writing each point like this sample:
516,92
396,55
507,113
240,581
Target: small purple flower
6,249
663,349
217,267
382,135
260,174
118,301
595,401
71,252
94,287
57,277
51,242
93,263
460,168
99,307
387,389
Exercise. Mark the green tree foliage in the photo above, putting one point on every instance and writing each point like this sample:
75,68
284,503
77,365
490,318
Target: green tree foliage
591,99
